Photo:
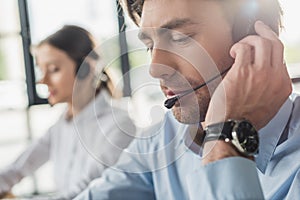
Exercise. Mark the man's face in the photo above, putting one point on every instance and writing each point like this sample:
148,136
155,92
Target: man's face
189,42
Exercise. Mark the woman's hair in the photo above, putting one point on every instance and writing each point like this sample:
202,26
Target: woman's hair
268,11
78,44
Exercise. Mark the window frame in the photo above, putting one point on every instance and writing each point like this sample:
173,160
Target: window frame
33,97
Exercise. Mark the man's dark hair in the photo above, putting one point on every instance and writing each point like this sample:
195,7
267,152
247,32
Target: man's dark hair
134,9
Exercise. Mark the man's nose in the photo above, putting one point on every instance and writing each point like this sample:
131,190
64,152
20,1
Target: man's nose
162,65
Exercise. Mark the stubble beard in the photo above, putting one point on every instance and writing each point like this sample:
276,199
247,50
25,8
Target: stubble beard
196,111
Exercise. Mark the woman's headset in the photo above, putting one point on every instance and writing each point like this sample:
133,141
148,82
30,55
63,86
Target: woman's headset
83,67
83,70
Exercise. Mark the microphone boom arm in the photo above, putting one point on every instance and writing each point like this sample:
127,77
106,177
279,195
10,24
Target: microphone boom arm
169,103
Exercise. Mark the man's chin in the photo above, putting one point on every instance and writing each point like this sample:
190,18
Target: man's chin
187,116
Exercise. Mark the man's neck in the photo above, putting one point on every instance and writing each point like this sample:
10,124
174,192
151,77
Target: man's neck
196,132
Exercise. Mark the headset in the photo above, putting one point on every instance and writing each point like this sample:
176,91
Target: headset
83,70
83,66
245,19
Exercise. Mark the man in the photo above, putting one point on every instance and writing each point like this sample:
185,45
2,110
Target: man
214,156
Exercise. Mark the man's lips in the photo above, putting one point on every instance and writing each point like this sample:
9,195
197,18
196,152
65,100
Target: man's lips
171,93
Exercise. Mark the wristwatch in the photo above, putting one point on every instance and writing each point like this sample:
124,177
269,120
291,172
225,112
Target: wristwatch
240,133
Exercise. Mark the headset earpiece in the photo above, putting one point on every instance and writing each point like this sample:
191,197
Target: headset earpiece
83,70
244,20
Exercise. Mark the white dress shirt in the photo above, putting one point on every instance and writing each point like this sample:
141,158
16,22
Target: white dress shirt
80,149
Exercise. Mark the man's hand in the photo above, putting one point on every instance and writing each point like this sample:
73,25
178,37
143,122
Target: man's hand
254,88
219,149
257,84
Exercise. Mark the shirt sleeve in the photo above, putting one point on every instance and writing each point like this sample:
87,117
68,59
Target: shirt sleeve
229,178
294,189
30,160
121,182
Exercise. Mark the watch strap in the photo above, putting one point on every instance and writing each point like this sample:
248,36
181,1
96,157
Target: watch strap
219,131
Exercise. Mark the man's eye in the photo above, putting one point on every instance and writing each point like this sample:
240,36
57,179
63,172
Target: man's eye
180,38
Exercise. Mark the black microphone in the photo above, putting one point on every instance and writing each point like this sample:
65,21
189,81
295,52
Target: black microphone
169,103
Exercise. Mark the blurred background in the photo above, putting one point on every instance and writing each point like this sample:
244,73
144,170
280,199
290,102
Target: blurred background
24,114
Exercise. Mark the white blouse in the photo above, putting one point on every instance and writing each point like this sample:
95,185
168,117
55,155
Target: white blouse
80,149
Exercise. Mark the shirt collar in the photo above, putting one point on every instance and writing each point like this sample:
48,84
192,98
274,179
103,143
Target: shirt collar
269,135
179,129
191,145
183,139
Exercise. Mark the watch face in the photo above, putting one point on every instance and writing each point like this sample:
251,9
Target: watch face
246,137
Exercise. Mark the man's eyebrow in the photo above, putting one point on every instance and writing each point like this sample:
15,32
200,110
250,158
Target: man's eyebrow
178,23
173,24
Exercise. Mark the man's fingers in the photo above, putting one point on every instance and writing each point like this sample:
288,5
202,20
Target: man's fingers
262,50
265,31
277,46
242,53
